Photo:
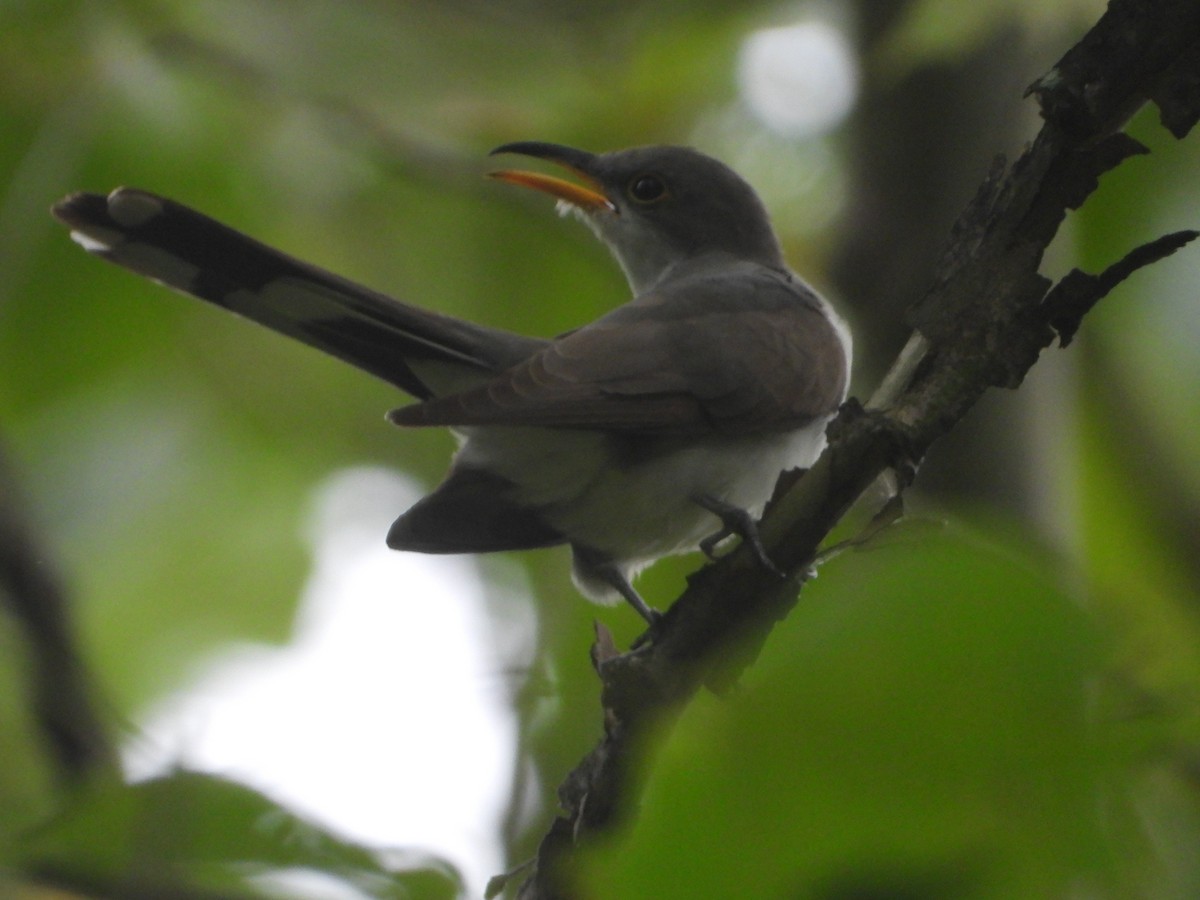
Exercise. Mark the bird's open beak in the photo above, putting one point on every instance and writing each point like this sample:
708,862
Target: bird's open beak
588,196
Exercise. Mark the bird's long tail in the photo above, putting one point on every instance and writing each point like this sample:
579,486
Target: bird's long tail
421,352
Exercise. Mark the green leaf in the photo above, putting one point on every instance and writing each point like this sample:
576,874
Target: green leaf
919,727
192,832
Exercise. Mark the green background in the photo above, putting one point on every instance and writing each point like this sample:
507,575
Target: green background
1000,700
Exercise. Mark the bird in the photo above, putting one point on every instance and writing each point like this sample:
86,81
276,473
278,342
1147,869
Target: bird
657,429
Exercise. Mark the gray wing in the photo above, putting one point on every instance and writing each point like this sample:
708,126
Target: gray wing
729,355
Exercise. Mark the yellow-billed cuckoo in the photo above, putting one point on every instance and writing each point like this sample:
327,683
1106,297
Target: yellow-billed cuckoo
659,428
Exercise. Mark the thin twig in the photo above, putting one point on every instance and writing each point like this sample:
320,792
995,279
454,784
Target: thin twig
61,699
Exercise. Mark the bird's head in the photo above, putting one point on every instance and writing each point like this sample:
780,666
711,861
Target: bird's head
655,207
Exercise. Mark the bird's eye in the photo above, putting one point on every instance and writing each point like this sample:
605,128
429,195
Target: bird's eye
647,188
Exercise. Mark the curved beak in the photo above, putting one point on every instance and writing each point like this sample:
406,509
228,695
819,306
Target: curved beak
588,196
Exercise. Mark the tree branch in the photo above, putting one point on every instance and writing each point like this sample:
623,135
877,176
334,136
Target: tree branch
61,699
982,324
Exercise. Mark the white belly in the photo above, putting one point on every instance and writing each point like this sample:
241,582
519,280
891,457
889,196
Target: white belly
638,509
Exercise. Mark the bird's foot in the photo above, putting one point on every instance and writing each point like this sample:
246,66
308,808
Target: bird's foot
594,565
734,520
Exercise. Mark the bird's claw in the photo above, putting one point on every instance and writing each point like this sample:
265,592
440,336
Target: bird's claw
735,520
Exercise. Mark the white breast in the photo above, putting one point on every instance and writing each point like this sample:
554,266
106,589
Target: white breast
635,513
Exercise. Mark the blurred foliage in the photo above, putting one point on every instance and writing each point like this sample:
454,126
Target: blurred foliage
940,717
933,739
189,834
933,30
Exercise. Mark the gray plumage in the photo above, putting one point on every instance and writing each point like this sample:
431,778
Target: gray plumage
618,438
